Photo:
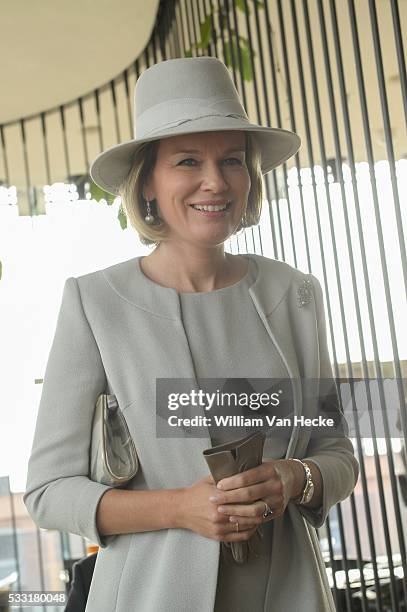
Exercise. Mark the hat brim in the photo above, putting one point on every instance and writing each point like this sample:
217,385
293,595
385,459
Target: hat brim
111,167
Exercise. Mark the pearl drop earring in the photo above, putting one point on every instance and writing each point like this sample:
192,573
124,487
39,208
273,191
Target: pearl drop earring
149,218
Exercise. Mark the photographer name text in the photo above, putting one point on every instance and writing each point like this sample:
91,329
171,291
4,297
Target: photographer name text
242,421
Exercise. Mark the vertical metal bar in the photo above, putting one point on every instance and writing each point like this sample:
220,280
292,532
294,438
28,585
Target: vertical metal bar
359,556
62,117
166,29
202,19
241,74
235,45
211,48
368,511
275,94
161,46
180,28
178,52
273,174
190,29
137,69
256,91
97,106
345,563
292,120
336,593
128,102
388,135
83,133
4,154
170,35
263,80
153,46
116,117
308,139
220,26
41,561
14,532
223,9
181,20
31,202
198,11
147,58
45,142
400,53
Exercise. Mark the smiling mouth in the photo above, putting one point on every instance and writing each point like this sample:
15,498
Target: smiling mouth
211,208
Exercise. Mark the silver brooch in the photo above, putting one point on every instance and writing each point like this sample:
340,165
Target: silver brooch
304,293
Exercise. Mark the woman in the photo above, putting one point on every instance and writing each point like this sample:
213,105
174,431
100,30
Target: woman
190,179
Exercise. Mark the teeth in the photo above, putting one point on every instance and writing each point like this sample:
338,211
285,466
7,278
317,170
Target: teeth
209,208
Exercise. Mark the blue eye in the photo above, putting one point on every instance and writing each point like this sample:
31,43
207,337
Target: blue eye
236,160
186,160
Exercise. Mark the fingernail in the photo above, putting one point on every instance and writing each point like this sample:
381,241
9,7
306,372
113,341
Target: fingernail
214,498
220,509
233,519
219,485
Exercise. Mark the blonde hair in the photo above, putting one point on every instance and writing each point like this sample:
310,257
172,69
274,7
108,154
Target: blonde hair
134,204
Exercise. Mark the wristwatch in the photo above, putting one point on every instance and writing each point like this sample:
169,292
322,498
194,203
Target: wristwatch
308,490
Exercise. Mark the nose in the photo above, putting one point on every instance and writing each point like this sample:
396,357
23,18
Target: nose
213,178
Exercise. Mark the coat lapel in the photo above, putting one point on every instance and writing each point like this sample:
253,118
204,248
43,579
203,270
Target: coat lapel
270,293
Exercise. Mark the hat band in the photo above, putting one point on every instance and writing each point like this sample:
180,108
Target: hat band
162,128
175,112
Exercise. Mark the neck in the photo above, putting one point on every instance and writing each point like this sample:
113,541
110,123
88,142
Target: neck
192,269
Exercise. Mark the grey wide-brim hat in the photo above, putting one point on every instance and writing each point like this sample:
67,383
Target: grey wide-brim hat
185,96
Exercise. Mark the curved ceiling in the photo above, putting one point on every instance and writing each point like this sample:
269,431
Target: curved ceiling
54,51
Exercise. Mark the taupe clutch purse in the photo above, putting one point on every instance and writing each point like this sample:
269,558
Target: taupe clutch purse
113,456
232,458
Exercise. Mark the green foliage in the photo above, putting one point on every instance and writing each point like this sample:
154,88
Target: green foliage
245,52
205,33
99,194
240,5
122,218
232,49
235,47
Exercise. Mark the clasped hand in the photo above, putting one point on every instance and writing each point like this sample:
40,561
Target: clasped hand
241,496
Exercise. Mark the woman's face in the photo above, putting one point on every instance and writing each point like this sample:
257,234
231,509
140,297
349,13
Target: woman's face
209,169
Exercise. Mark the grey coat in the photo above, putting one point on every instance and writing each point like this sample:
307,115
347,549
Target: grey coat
115,333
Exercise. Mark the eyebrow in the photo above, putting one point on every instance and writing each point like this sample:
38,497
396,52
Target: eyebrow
189,151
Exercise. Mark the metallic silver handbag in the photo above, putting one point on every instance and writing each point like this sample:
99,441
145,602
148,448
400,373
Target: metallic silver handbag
113,456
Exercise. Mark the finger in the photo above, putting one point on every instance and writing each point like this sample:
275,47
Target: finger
243,479
245,522
247,495
238,536
246,510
